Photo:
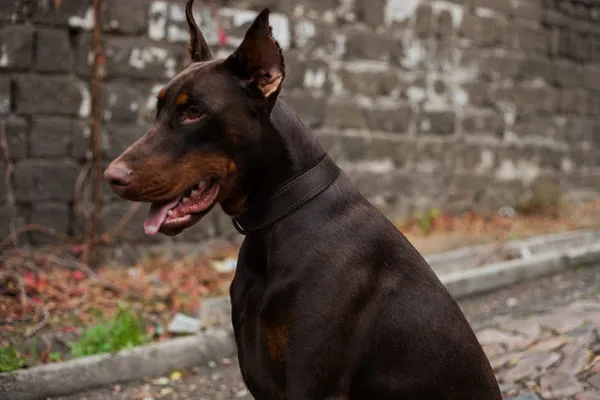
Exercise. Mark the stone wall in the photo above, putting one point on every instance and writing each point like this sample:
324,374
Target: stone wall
453,104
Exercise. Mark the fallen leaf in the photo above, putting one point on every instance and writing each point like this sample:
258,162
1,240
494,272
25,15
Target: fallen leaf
78,275
163,380
175,375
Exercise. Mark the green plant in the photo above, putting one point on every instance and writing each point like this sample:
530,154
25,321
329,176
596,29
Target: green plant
10,359
426,219
125,330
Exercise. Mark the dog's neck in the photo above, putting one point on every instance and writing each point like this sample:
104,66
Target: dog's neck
288,148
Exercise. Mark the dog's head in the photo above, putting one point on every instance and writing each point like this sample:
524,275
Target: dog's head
207,118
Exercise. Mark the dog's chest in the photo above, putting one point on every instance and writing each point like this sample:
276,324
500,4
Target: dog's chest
261,340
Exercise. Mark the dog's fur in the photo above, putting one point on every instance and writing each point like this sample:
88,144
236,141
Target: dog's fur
331,301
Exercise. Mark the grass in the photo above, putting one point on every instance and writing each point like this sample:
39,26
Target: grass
125,330
10,359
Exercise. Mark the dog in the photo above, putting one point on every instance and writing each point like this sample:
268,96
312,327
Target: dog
329,299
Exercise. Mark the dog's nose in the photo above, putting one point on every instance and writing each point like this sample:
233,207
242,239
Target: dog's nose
117,175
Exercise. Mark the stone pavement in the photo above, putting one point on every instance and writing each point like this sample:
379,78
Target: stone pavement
554,354
540,336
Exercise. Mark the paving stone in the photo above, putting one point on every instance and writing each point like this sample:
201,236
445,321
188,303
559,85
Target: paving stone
556,385
527,326
525,396
594,380
504,360
575,358
493,349
561,321
530,367
595,395
584,305
585,336
493,336
549,344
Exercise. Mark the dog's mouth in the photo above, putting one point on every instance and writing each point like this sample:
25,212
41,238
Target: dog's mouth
173,216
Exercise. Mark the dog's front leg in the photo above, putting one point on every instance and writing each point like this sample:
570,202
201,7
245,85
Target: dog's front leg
313,368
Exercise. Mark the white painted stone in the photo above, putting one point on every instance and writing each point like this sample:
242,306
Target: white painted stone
485,12
142,56
486,163
171,67
382,166
455,10
151,100
315,79
279,22
399,10
3,56
414,55
337,83
566,165
177,13
506,171
416,94
157,24
460,97
367,66
340,44
86,22
85,108
177,34
281,30
4,103
304,31
524,171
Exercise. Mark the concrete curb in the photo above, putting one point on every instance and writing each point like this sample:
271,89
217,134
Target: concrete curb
495,276
144,361
159,359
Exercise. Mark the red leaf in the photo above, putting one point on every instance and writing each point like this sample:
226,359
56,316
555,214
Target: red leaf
78,249
223,39
78,275
42,284
69,329
78,291
29,280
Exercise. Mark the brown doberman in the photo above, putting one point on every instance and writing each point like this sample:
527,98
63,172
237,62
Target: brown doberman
329,299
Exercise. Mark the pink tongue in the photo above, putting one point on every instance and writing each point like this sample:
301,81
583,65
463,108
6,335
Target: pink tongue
157,215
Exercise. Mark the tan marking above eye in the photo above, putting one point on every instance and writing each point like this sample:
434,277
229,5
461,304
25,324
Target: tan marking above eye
161,94
183,98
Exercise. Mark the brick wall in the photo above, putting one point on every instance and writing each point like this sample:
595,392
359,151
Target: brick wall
454,104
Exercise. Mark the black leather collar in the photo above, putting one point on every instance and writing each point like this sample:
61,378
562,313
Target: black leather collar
288,197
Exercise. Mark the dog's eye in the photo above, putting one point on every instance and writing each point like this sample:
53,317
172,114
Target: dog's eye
192,115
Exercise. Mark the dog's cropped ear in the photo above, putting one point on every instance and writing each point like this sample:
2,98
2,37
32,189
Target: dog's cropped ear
258,59
198,48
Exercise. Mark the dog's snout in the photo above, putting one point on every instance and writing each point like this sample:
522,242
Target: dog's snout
118,175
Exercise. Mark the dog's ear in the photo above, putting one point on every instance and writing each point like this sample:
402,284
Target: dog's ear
258,59
198,47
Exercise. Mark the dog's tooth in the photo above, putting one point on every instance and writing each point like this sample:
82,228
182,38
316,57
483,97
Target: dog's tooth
194,192
184,200
170,212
